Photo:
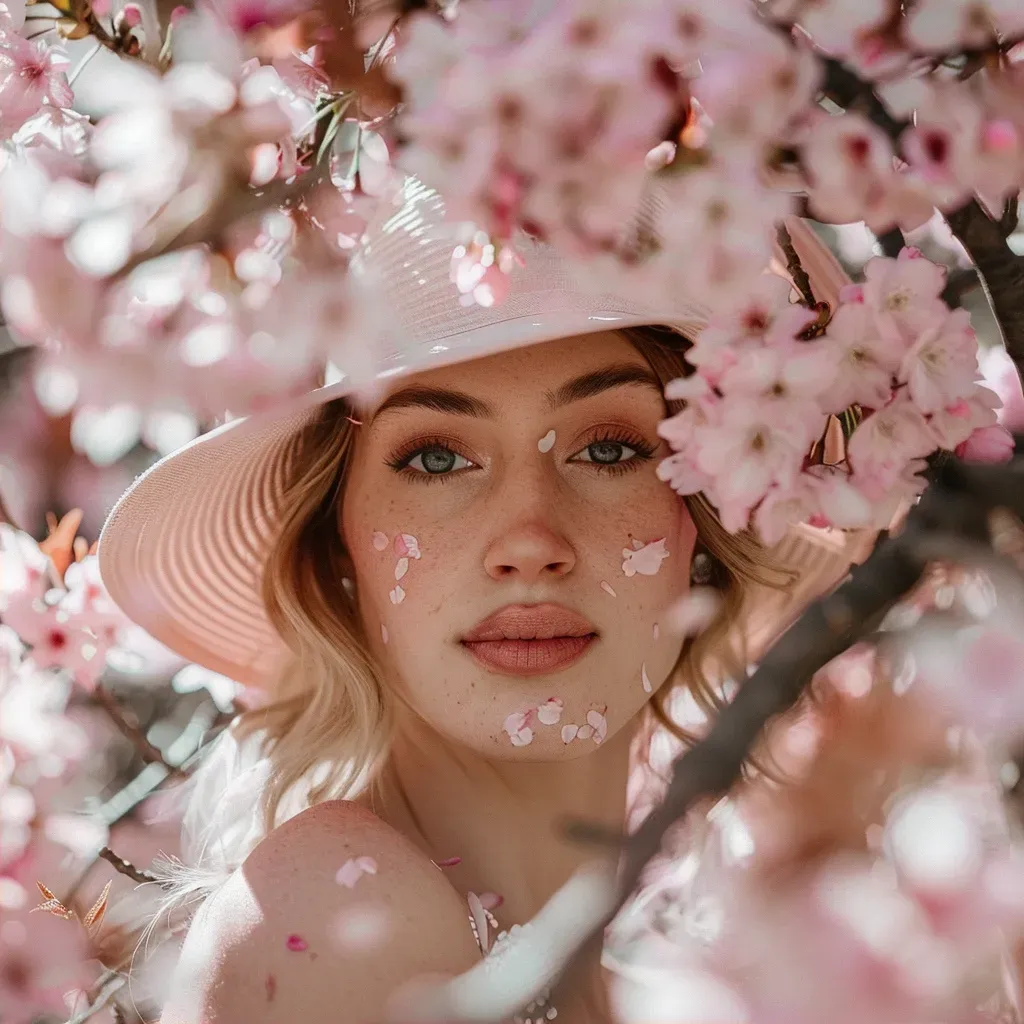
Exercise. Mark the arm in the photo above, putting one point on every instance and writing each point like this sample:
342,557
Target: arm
238,966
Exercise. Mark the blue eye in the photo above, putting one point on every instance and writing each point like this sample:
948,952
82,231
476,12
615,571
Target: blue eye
606,453
436,461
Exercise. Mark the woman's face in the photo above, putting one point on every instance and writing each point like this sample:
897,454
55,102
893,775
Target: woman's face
521,484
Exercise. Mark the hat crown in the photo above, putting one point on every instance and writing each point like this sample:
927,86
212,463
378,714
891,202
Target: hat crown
406,261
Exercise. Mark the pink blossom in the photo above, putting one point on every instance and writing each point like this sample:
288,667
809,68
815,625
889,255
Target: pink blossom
851,168
821,496
32,718
784,78
682,474
31,74
952,425
885,442
718,226
904,294
865,362
700,410
938,25
755,445
761,315
793,374
941,366
833,24
987,444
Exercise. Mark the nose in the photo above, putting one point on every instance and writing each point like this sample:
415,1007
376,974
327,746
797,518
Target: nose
530,551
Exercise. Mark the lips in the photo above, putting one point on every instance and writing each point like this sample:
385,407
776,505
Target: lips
528,640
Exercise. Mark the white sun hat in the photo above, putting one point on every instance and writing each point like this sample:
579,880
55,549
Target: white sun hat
182,551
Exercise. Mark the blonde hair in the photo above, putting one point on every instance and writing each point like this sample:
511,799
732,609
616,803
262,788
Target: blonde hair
328,728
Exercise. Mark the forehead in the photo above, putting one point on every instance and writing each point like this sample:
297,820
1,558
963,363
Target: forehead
541,366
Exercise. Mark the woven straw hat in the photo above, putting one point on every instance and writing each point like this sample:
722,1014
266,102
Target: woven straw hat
183,549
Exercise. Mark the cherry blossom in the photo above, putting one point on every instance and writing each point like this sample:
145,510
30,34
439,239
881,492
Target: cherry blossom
645,559
885,442
866,364
941,366
937,25
833,24
850,165
903,294
987,444
31,74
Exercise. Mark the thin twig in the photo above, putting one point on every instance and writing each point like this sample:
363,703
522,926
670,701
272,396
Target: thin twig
126,867
147,751
796,269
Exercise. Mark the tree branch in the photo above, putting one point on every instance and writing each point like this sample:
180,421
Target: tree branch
1000,269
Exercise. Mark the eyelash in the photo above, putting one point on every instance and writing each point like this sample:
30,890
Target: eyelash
399,462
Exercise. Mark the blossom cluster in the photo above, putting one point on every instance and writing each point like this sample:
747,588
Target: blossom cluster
893,353
104,229
707,97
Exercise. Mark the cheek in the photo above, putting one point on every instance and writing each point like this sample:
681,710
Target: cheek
648,543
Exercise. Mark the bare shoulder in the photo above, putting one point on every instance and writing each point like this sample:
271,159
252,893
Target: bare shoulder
285,939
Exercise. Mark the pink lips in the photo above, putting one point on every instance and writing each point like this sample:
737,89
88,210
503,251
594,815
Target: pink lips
530,640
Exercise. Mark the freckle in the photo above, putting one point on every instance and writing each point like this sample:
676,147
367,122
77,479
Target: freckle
271,987
380,540
607,588
547,442
384,632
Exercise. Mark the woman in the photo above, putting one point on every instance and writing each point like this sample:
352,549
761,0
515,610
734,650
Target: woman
453,595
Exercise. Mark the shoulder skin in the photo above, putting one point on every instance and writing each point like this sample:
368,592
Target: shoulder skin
265,947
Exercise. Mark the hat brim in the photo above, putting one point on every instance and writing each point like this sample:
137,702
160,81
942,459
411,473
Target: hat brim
182,551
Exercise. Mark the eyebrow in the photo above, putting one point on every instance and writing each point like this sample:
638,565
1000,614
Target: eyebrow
586,385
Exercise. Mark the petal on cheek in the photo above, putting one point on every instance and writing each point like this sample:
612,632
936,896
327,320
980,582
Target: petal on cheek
384,632
550,711
401,568
645,679
380,540
547,442
407,545
397,595
645,559
569,733
607,588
